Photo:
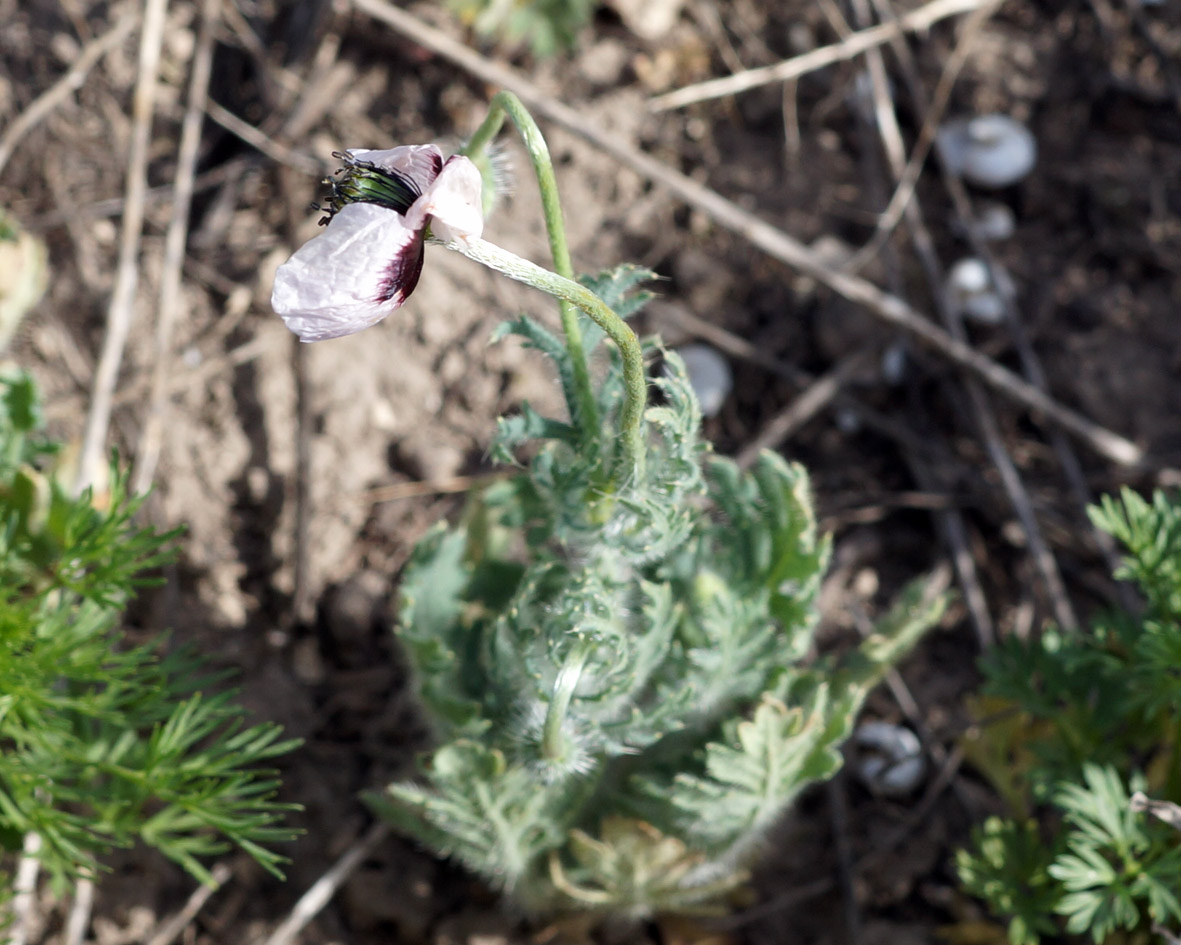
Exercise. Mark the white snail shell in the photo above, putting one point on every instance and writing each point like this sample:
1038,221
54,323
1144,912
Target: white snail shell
973,294
890,758
988,150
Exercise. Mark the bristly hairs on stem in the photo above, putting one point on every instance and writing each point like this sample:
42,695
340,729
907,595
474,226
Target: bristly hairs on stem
578,296
581,400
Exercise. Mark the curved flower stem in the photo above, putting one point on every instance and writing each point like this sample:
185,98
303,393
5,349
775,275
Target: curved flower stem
581,401
553,745
567,290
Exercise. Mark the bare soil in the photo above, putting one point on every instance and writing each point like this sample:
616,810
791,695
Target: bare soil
398,416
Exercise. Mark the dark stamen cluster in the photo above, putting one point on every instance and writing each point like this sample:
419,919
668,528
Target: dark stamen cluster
365,182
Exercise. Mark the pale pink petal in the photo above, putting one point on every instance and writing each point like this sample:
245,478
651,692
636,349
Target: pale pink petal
417,163
452,202
351,276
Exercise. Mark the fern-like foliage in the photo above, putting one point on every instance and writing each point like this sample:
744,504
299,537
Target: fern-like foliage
103,743
1112,872
1091,714
617,677
1009,869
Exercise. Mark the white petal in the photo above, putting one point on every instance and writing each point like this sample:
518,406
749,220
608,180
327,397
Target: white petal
452,202
351,276
418,163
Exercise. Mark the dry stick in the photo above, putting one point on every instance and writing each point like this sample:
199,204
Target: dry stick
985,419
24,889
122,307
955,536
303,605
902,51
904,192
174,248
170,929
849,48
792,140
952,525
79,912
836,19
323,889
1043,558
273,149
771,240
710,22
51,98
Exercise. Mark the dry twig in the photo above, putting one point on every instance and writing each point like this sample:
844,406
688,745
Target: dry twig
857,43
121,310
275,150
174,247
170,929
24,890
323,889
80,909
908,179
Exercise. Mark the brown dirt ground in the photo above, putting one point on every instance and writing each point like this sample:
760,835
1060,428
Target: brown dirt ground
1094,258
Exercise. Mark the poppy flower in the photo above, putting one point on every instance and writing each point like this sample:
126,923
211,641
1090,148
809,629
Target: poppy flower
382,208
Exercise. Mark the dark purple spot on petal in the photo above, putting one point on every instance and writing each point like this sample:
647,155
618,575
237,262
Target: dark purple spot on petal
401,273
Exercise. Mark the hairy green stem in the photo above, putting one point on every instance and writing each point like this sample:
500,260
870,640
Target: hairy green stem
553,745
580,401
635,386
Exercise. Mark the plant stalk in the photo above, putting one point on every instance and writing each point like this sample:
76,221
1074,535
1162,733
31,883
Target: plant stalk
581,400
636,388
553,745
